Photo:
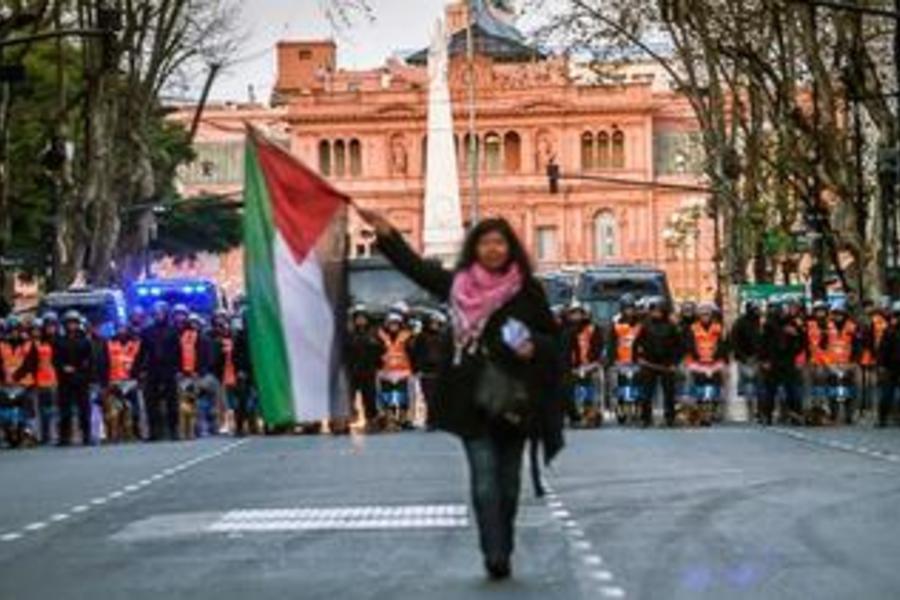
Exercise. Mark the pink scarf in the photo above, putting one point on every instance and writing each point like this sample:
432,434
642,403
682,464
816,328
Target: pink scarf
476,294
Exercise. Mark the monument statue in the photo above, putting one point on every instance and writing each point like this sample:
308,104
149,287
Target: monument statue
443,231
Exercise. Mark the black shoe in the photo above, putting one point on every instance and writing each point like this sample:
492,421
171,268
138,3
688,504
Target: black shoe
498,569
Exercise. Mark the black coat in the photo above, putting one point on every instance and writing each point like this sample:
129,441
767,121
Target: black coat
660,343
747,338
429,351
160,354
783,341
75,354
889,351
363,353
455,409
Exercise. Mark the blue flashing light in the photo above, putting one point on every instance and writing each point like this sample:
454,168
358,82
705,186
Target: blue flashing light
187,289
143,292
155,291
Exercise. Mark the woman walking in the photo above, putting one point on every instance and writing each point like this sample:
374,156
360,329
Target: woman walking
499,385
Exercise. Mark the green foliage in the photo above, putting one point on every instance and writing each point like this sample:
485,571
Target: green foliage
33,110
205,225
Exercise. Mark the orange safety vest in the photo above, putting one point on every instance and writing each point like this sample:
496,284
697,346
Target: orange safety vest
879,327
46,373
817,355
13,358
584,345
229,376
121,358
840,343
395,358
625,336
706,342
189,351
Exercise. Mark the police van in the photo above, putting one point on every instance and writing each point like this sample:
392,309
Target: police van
102,308
202,296
601,288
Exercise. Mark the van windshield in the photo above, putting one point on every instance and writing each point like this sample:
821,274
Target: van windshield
602,292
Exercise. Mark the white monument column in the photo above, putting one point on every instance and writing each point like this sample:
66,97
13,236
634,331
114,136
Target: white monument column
443,231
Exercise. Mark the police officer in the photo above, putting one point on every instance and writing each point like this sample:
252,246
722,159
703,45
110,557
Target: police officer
159,361
246,418
889,362
396,362
197,368
746,344
658,349
40,365
584,353
778,363
364,352
119,366
872,334
73,360
429,352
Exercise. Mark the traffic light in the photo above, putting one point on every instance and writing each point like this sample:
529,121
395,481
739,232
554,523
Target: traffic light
553,177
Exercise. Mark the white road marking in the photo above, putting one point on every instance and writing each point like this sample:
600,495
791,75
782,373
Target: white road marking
593,560
100,500
602,575
582,545
612,592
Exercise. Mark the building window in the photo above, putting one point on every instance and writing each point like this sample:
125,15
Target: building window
424,155
603,150
618,149
587,152
604,236
325,158
512,152
546,244
355,158
493,153
340,158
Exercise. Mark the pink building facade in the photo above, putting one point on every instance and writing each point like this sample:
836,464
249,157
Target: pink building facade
366,132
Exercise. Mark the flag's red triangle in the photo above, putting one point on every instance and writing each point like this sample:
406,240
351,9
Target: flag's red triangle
303,204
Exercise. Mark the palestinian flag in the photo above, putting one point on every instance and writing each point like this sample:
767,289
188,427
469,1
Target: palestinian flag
294,249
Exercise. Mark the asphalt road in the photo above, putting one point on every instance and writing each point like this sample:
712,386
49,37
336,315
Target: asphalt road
723,513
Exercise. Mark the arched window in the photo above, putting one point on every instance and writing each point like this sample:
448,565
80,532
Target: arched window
467,150
424,154
493,152
605,236
355,158
340,158
603,150
512,152
325,158
587,151
618,149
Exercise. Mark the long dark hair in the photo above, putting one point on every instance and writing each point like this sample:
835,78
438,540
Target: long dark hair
517,253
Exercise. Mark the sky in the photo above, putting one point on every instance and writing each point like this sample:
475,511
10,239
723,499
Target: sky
398,25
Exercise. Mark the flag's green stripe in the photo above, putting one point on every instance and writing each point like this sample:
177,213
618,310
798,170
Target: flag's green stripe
267,344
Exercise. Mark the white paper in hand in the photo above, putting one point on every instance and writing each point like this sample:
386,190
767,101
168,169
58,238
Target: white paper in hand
515,333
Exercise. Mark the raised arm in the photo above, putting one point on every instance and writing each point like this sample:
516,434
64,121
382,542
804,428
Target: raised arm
429,275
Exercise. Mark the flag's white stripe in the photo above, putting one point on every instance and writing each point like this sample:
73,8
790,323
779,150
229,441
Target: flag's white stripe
307,320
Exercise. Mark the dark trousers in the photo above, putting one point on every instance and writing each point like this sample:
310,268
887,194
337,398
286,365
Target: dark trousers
245,420
890,385
45,401
495,464
428,383
772,381
365,385
74,396
161,398
650,378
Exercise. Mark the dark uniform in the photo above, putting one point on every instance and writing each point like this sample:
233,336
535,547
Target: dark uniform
658,349
159,361
430,350
364,352
778,363
889,362
73,359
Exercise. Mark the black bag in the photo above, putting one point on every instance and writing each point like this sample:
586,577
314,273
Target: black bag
500,395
